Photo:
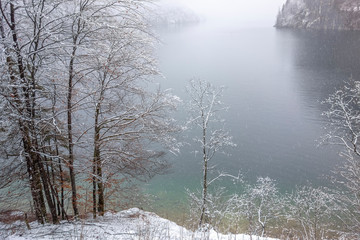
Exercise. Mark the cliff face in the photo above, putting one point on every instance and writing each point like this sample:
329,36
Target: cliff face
320,14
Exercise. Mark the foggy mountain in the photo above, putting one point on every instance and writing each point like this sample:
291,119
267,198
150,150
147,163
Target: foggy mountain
319,14
170,13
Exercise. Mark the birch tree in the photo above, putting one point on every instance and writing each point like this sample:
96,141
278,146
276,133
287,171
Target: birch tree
205,105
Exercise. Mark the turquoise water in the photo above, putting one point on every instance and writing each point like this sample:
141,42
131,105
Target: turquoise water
275,80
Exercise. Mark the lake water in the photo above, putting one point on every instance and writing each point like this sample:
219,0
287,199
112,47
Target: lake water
275,81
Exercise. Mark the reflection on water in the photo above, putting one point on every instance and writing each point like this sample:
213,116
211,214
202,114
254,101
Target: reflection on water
276,80
323,59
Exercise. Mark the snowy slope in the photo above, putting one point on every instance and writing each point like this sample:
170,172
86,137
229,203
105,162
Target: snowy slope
129,224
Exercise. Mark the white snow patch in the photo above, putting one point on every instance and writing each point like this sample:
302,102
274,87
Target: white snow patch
16,214
129,224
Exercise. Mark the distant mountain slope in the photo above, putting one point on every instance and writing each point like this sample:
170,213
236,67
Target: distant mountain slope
169,13
320,14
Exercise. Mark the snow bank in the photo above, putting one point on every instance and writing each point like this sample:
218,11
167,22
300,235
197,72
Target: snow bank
129,224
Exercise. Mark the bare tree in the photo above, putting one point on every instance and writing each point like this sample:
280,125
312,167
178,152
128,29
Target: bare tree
128,122
205,104
313,211
344,130
67,60
27,34
260,204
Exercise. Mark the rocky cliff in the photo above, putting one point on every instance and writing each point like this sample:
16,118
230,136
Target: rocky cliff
320,14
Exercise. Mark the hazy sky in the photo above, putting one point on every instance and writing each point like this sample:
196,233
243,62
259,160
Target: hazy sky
245,12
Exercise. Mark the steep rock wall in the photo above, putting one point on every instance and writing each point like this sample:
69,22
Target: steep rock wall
320,14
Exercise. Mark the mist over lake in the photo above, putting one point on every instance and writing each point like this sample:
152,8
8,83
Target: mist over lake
275,82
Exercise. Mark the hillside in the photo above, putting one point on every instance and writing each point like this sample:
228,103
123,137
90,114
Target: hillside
320,14
170,13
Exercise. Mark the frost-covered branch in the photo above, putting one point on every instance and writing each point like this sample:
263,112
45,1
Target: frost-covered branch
204,107
343,116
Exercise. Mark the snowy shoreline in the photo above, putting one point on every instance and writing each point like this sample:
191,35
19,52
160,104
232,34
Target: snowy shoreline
129,224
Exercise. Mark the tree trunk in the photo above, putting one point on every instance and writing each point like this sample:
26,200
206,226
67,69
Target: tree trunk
94,187
203,218
63,213
34,177
23,101
101,203
36,193
46,185
61,173
70,133
97,163
54,187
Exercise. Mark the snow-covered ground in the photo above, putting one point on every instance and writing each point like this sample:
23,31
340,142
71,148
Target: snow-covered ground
129,224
